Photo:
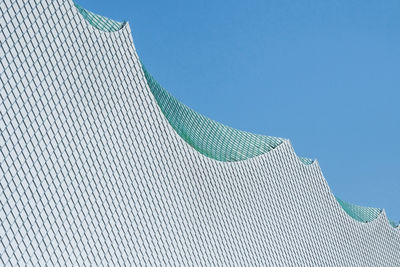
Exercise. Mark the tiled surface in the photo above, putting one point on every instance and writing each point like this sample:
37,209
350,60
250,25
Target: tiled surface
207,136
91,172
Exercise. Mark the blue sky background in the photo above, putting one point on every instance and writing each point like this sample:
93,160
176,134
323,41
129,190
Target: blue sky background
325,74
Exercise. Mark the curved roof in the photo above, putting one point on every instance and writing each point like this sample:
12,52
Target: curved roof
212,138
360,213
207,136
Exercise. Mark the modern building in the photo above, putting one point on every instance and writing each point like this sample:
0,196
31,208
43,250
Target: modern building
99,165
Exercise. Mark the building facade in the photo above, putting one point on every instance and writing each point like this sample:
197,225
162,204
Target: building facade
99,165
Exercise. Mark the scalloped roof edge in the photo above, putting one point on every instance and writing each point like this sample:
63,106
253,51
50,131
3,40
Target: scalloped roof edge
187,123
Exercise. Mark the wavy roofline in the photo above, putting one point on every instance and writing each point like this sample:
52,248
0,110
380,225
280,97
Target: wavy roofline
314,163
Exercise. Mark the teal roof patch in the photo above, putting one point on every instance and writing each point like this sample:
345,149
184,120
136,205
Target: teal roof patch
207,136
99,22
359,213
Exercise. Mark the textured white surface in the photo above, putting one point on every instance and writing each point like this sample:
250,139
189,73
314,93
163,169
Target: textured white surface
92,173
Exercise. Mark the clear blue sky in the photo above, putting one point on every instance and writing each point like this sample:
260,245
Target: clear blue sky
324,74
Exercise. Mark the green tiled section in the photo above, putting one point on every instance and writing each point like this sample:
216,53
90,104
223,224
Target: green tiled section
207,136
362,214
306,161
359,213
99,22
